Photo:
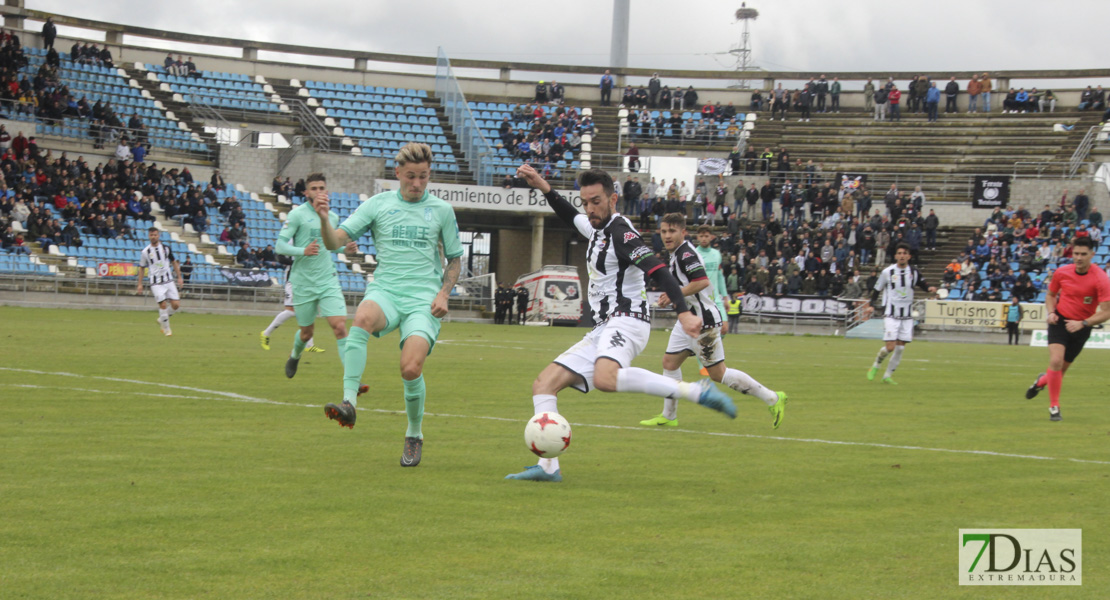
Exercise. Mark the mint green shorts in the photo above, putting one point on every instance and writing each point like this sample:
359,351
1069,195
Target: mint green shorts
411,315
328,302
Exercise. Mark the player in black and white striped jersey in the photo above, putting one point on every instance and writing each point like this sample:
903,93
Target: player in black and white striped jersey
286,313
896,284
617,261
688,268
165,278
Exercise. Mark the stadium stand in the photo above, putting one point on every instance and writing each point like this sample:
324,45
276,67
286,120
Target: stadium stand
72,83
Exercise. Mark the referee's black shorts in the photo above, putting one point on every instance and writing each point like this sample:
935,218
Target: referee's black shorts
1072,342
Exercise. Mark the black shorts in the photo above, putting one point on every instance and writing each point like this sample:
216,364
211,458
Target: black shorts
1072,342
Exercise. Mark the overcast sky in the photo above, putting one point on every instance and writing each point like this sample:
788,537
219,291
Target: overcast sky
868,35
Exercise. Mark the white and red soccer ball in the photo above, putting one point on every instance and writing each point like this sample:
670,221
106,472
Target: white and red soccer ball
547,434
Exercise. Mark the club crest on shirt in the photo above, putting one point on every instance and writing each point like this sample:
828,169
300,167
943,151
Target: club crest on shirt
428,214
1088,299
629,236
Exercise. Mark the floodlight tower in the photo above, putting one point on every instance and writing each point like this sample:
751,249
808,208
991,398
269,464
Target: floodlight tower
618,49
743,52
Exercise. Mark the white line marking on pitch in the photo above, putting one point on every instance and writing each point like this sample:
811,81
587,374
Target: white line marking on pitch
242,398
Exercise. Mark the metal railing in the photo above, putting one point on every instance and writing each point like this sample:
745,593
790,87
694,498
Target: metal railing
296,145
475,147
322,138
1083,149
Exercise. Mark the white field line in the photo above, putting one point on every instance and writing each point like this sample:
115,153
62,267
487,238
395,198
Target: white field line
221,395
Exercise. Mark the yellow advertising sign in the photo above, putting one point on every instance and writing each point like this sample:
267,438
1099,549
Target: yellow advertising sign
947,313
117,269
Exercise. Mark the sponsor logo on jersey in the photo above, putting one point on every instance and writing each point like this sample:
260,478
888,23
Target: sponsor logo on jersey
686,255
639,252
630,235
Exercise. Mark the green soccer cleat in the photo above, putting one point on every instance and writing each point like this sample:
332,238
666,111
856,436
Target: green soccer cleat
264,340
660,421
778,410
314,349
871,373
536,473
889,381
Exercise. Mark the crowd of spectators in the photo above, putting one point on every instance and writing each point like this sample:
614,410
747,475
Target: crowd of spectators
660,125
533,136
58,200
46,97
1018,249
809,235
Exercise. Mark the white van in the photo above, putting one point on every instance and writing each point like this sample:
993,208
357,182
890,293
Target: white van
554,295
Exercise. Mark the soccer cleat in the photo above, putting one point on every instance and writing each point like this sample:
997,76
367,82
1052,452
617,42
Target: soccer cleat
167,329
264,340
314,349
1034,389
362,389
711,397
536,473
661,421
871,373
411,456
1054,414
291,367
889,381
163,324
345,414
778,410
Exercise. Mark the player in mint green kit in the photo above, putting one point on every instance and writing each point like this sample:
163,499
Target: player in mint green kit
711,257
410,286
315,281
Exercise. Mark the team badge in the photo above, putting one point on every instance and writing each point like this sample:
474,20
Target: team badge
428,214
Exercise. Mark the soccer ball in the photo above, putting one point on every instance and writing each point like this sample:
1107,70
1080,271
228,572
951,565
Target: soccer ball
547,434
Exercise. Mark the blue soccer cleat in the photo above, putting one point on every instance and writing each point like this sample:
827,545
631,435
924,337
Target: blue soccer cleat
536,473
711,397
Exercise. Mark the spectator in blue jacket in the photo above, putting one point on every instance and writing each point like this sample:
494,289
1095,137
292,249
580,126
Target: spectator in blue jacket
606,88
932,99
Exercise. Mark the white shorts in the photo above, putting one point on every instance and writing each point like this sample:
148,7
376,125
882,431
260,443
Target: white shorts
288,294
164,291
897,330
620,338
707,346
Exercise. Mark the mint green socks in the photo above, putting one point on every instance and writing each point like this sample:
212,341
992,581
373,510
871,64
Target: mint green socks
414,406
298,345
353,350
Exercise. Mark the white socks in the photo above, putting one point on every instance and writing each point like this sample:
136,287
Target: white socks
546,403
743,383
883,353
281,317
635,379
163,315
670,405
894,360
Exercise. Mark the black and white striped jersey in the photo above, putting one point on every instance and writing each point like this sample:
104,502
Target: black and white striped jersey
687,266
160,261
896,285
617,259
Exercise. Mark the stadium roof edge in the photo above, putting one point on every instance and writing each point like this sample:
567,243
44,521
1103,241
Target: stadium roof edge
120,29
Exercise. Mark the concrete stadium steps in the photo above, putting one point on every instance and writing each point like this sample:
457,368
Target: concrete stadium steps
171,226
466,173
950,241
180,110
959,145
61,262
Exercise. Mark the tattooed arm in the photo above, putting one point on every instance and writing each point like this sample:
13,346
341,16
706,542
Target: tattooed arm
450,278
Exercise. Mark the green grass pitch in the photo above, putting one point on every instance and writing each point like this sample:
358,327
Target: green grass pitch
138,466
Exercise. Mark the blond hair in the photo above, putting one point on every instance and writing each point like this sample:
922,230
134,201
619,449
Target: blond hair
414,152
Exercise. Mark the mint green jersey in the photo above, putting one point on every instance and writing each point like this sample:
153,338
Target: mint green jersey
302,227
407,236
711,257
